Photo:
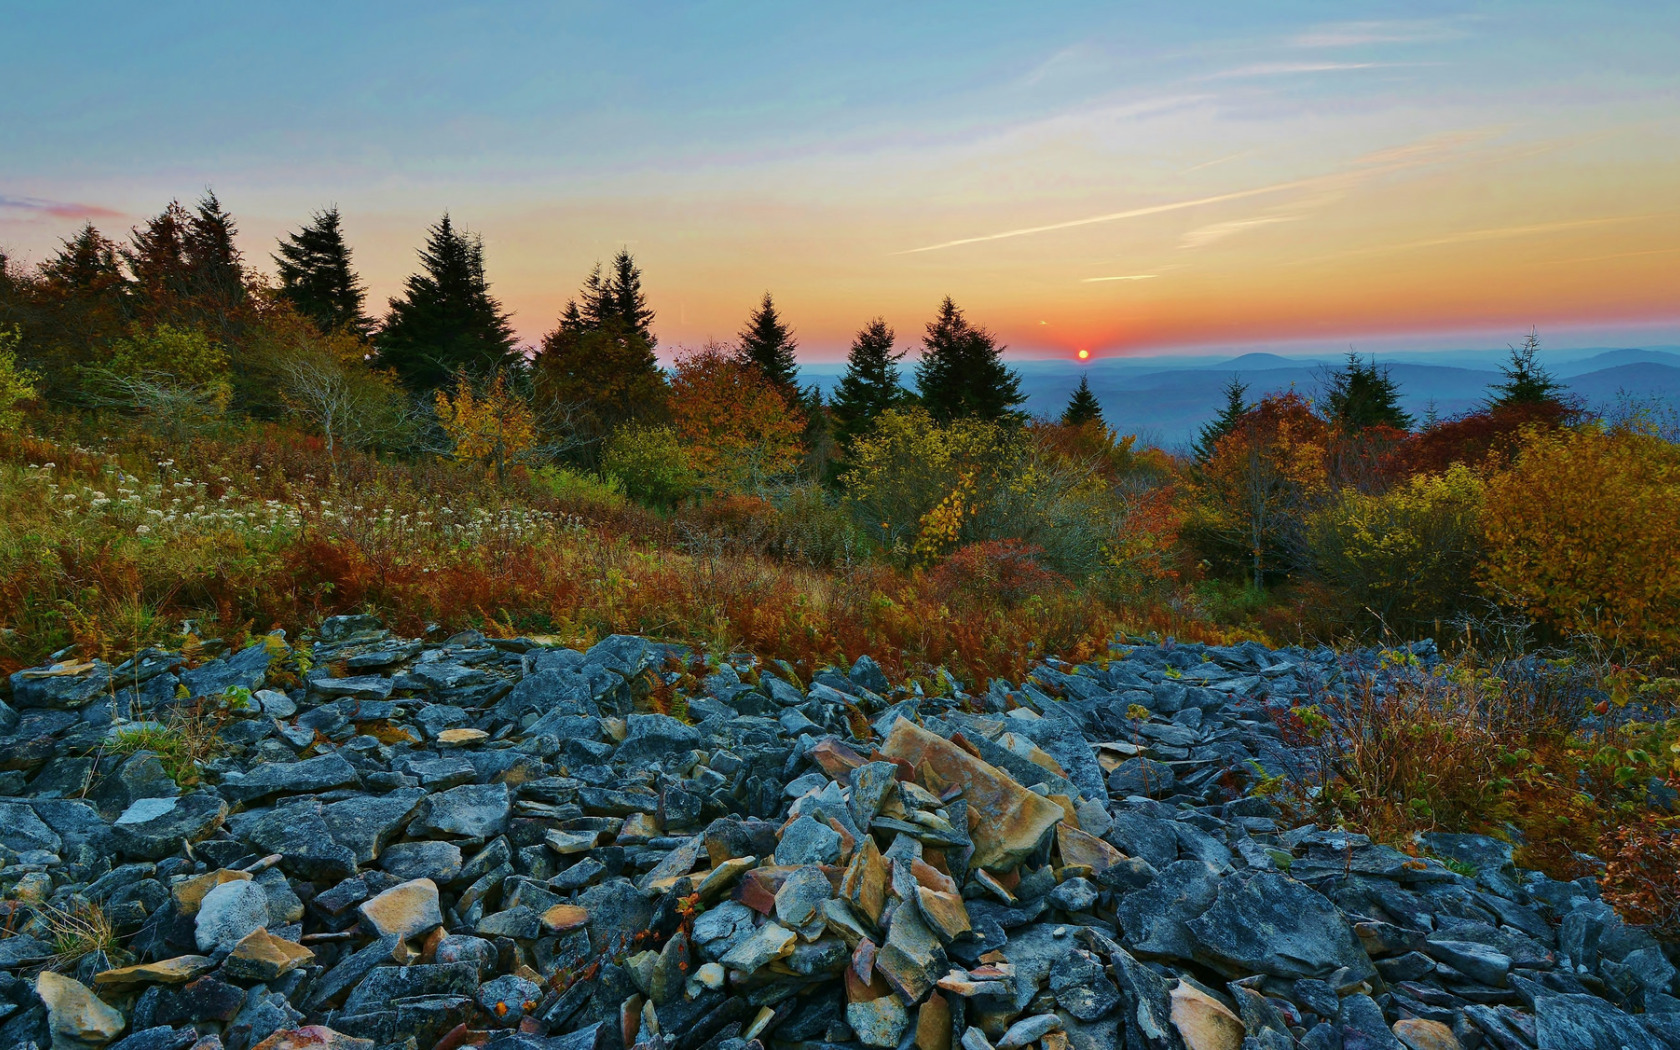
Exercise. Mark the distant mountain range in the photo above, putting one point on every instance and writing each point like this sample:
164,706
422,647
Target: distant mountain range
1166,400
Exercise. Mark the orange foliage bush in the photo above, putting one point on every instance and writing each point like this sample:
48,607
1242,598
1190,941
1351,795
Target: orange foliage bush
1583,534
740,430
1473,437
1642,874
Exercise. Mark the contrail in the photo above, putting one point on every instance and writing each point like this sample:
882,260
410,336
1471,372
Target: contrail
1132,213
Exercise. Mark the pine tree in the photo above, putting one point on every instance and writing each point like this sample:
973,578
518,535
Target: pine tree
962,374
446,320
1527,382
871,383
316,278
1233,412
1082,407
768,343
1361,395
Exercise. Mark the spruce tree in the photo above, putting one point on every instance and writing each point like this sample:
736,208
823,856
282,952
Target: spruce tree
628,302
768,343
1361,395
316,278
1236,407
156,261
962,373
1082,407
1527,382
215,269
871,383
446,320
86,262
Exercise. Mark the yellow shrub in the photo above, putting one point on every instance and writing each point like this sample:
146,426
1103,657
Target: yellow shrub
1583,533
1408,556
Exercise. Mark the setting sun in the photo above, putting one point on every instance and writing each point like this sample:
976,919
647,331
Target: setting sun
1084,354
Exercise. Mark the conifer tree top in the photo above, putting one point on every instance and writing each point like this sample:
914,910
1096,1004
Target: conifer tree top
1082,406
1527,381
768,343
316,276
1361,394
962,372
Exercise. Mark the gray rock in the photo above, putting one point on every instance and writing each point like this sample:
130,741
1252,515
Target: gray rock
513,994
228,914
435,860
807,841
1081,987
364,825
61,686
1586,1022
471,811
1269,923
310,776
801,895
1074,895
21,829
1153,921
154,828
1142,776
654,738
1362,1027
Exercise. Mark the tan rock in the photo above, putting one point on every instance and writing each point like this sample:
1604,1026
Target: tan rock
189,893
944,913
1006,820
933,1024
1082,849
1415,1033
460,737
313,1037
406,910
178,970
261,956
865,881
722,878
76,1016
563,918
1204,1022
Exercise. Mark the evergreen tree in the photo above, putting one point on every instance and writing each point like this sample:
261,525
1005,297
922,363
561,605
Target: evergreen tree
157,262
1361,395
215,269
85,263
446,320
962,373
871,383
1082,407
768,343
1527,382
1236,407
628,302
316,278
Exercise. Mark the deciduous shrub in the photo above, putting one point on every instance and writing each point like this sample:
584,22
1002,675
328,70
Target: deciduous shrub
738,430
1642,873
1006,571
1407,557
1583,534
651,462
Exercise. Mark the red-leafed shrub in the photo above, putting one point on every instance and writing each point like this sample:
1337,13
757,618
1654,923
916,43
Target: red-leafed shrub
1473,437
1006,571
1642,875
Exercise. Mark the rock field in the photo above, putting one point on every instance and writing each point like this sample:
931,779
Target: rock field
476,842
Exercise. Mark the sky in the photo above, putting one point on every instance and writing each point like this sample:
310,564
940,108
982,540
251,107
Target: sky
1113,178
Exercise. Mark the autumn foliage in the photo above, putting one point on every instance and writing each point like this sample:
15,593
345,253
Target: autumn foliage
738,429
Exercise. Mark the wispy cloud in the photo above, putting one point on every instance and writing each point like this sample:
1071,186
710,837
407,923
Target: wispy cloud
56,209
1356,34
1228,158
1123,277
1494,233
1284,69
1203,236
1426,151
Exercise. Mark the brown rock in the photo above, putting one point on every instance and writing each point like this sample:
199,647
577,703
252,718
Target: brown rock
723,877
865,883
1006,820
835,758
178,970
1080,848
263,957
944,913
933,1024
1415,1033
1204,1022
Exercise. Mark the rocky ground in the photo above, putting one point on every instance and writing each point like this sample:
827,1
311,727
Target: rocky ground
423,844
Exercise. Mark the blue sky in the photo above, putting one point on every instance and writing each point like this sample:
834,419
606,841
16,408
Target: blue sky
1165,176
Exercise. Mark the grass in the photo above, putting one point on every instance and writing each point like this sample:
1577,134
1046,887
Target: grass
76,932
189,737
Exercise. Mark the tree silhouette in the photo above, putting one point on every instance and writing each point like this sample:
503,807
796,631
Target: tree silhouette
768,343
1082,407
1361,395
962,374
1235,408
446,320
871,383
1527,382
316,278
